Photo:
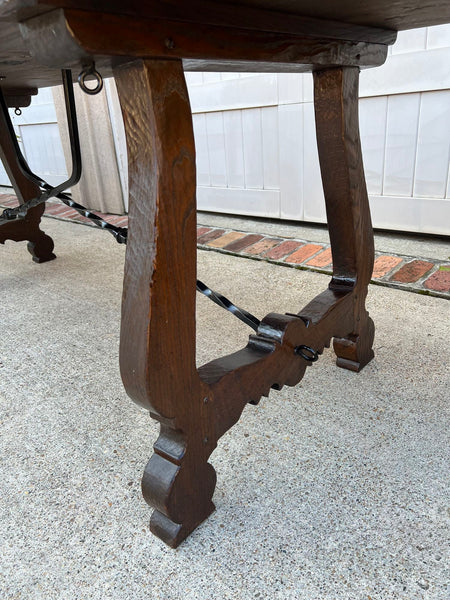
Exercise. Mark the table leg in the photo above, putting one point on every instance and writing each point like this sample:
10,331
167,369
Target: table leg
157,350
40,245
348,213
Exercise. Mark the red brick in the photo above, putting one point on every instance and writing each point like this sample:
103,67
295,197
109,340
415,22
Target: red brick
321,260
53,208
57,209
69,213
74,216
226,239
303,253
412,271
244,242
384,264
202,230
440,280
9,201
283,249
211,235
261,246
114,219
117,220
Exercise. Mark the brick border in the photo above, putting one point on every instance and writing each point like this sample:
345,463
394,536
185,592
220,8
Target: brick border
409,273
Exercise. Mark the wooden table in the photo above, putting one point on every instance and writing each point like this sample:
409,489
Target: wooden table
147,45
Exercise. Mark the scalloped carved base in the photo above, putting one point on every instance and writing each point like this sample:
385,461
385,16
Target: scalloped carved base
40,245
172,533
179,482
41,250
355,351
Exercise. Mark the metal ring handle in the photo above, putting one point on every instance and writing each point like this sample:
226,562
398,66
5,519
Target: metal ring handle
90,71
307,353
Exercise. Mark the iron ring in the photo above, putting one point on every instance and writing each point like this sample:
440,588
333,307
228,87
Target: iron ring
311,355
82,81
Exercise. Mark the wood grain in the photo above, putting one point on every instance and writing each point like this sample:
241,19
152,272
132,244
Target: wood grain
76,33
254,18
157,349
348,212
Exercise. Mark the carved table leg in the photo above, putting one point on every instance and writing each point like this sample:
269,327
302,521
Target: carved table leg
349,222
157,350
40,245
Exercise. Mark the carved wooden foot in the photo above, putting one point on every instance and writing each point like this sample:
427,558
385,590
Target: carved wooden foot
179,482
355,351
41,251
40,245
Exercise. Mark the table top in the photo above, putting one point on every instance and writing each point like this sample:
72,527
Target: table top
396,15
369,21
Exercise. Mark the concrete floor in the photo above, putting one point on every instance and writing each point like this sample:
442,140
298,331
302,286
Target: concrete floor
334,490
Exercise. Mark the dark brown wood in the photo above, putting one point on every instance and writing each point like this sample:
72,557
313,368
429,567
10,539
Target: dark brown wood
375,21
348,212
388,14
205,12
39,245
350,18
81,34
157,350
226,14
195,408
18,101
19,74
49,44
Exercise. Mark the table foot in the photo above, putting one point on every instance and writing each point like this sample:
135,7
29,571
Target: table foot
40,245
172,533
355,351
179,482
41,251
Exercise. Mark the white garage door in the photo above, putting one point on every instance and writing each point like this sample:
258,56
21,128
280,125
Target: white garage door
38,134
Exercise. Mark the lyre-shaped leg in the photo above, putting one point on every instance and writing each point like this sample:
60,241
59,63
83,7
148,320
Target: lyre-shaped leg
348,213
40,245
157,351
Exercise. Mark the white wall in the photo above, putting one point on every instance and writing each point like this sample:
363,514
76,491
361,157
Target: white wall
38,135
256,148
